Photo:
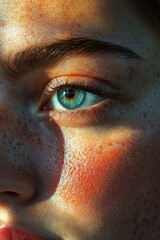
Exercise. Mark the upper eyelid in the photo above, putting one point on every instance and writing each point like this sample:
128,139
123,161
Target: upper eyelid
69,79
110,92
84,82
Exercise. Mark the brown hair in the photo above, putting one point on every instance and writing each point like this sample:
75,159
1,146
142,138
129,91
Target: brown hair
153,8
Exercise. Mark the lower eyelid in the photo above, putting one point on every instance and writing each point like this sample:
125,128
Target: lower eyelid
82,118
101,94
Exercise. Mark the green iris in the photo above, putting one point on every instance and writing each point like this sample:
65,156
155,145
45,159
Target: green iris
71,98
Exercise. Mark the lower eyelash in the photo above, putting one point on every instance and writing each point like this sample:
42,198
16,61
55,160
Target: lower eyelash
82,118
106,94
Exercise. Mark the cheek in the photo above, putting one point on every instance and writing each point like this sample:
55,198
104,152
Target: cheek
86,178
93,172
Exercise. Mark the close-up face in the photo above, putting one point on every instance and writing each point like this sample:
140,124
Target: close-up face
79,120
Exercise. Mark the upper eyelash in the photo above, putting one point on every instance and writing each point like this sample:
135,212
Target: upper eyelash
91,89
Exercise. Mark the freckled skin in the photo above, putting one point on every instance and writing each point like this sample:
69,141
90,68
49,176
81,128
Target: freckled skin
91,181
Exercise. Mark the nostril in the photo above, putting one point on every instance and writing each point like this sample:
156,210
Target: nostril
11,194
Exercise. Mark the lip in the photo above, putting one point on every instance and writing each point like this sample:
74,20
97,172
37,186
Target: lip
13,234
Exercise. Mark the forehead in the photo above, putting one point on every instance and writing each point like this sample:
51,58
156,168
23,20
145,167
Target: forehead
48,9
26,23
49,18
56,14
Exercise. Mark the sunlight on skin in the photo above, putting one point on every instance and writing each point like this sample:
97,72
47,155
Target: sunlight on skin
82,180
4,216
86,180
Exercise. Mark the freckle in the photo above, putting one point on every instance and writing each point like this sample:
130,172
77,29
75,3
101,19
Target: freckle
144,114
18,143
151,123
109,144
118,141
131,74
100,147
29,120
141,237
134,220
154,190
154,218
78,25
144,220
157,205
158,74
2,23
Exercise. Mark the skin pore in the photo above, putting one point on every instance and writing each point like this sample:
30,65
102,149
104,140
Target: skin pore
83,174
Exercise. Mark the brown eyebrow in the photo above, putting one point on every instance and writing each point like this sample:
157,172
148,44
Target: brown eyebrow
153,9
40,56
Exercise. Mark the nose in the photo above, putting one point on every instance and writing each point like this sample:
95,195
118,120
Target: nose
31,158
16,177
16,185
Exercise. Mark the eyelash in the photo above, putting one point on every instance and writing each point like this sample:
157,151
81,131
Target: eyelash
86,116
92,89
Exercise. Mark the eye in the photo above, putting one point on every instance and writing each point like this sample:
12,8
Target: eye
78,100
73,98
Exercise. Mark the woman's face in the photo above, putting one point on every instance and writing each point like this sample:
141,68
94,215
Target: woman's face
80,137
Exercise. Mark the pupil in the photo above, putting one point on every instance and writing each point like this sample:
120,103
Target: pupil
69,93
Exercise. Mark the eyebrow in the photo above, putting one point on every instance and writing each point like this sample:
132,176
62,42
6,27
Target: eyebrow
41,56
